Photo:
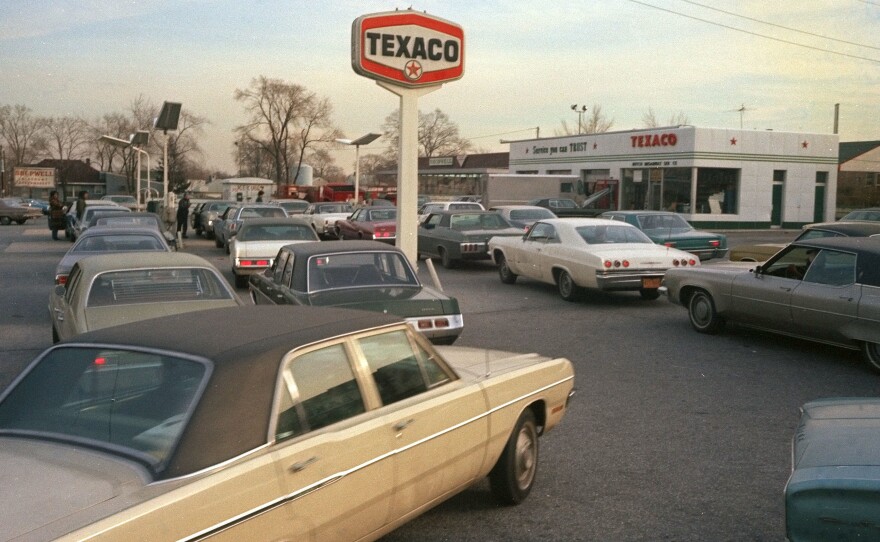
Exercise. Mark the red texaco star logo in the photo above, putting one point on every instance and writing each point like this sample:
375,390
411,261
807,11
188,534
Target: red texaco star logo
805,144
733,141
412,70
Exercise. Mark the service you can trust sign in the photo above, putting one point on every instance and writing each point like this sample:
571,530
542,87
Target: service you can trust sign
407,48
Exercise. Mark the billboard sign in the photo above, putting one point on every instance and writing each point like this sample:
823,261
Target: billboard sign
34,177
407,48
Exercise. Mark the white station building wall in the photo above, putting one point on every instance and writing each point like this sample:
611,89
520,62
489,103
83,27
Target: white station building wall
717,177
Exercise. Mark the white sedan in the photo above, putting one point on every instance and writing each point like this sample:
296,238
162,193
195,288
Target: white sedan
578,253
258,241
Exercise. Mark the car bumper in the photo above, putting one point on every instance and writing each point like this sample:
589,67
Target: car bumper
708,253
629,280
439,329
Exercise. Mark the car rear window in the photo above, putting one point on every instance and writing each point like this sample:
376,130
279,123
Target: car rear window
119,243
130,287
108,397
277,232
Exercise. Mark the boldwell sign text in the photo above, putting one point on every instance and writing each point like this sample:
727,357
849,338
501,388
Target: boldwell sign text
407,48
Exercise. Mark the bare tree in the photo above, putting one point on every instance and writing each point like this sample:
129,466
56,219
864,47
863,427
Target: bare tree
595,123
66,138
649,119
286,120
106,156
438,135
324,166
22,133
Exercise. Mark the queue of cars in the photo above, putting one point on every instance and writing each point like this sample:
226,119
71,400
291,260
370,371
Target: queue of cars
819,289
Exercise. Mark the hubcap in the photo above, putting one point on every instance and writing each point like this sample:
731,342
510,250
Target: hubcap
525,459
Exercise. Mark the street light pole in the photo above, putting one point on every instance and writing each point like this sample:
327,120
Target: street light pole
363,140
580,113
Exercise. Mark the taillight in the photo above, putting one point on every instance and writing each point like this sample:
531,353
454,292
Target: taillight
607,264
254,263
616,263
669,244
714,243
61,279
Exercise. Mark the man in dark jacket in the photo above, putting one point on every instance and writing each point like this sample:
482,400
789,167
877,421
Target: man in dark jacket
183,214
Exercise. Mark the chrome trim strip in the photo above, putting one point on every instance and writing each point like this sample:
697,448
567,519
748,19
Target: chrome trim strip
219,527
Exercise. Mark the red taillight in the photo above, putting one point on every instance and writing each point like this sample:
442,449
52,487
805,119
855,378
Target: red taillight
61,279
669,244
435,323
607,264
253,263
714,243
693,261
100,361
626,263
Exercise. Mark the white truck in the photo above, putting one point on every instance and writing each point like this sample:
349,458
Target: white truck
593,197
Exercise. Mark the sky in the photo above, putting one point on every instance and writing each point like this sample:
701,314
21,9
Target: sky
722,64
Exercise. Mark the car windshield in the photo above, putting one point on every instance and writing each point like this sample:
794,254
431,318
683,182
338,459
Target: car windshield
360,269
465,205
161,285
276,232
293,205
112,242
531,214
663,222
600,235
124,400
487,221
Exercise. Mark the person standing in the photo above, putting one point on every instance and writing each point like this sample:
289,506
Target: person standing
81,204
260,196
183,215
57,220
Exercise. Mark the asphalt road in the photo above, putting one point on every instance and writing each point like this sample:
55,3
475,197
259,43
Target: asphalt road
672,435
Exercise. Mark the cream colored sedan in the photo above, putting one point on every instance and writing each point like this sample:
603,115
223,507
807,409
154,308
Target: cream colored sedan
265,423
587,253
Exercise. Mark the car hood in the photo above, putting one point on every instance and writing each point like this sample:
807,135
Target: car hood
57,488
405,302
839,433
261,249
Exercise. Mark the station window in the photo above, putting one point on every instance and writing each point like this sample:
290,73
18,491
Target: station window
717,191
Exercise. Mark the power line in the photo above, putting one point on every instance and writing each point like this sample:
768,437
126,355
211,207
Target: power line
780,26
874,60
503,133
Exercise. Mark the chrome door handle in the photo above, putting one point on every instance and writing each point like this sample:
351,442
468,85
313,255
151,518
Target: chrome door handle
301,466
59,315
403,424
846,297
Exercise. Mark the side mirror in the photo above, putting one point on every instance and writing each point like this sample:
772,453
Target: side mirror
757,270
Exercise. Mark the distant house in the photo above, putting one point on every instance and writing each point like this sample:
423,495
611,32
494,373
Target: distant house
858,177
73,176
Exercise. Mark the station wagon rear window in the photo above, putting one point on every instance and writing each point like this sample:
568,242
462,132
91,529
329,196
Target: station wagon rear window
358,269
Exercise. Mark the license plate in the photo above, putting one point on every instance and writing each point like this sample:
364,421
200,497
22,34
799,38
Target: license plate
651,282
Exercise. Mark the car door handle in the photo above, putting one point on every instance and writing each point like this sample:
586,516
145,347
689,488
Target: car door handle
302,465
846,297
59,315
402,424
785,288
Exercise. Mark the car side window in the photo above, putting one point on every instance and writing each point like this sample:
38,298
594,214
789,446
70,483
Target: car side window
320,390
434,220
72,282
832,268
791,263
542,232
400,367
278,272
288,271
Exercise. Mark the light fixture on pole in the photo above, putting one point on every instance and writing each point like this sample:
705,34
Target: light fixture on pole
168,117
138,140
363,140
580,113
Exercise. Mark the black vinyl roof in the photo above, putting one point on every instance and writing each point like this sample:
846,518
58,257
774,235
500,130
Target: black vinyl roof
245,345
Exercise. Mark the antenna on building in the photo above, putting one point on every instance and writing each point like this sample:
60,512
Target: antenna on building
741,110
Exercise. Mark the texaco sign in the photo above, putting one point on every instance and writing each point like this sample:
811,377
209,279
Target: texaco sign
407,48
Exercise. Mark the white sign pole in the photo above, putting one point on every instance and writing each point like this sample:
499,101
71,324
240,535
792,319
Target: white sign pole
408,168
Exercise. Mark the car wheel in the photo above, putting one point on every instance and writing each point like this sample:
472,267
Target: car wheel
513,476
507,276
568,290
22,221
55,337
872,354
241,281
5,220
701,310
445,260
649,294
